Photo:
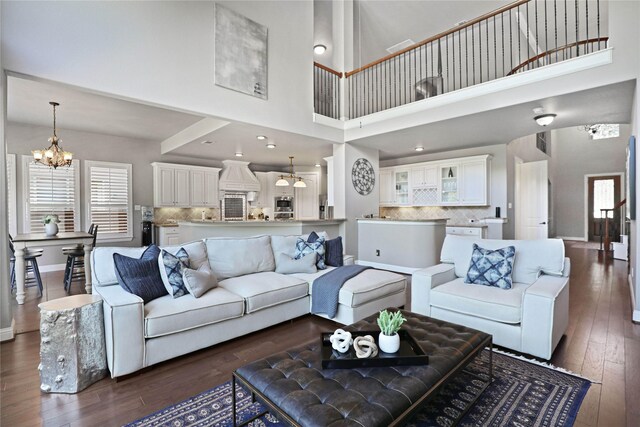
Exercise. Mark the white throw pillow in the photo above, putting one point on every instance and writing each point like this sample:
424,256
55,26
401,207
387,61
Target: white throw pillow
197,252
199,281
287,265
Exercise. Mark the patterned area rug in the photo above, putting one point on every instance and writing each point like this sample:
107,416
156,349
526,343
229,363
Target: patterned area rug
522,394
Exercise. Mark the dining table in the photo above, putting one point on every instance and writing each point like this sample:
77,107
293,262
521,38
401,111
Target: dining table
22,242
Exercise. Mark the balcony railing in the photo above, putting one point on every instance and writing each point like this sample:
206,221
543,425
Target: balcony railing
520,36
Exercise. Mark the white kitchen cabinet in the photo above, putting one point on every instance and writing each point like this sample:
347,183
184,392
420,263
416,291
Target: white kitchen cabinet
265,196
306,200
204,187
183,186
386,187
473,182
401,185
285,191
171,185
330,182
424,176
480,232
168,236
449,175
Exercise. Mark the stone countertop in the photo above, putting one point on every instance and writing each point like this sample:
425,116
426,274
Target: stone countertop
261,223
404,220
468,225
167,224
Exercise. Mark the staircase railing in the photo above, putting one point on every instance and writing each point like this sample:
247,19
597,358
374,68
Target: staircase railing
609,230
520,36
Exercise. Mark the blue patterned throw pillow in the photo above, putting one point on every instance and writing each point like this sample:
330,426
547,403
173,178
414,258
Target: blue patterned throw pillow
303,248
141,276
173,265
491,267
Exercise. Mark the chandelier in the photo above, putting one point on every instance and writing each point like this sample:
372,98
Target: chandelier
298,182
601,130
54,156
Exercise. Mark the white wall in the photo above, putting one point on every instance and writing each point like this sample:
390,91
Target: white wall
161,52
574,155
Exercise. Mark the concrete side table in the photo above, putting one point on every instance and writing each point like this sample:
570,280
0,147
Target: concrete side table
72,346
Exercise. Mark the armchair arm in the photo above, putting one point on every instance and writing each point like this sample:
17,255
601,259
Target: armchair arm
422,281
545,315
124,329
348,259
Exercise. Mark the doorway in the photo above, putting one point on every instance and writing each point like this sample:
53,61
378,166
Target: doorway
603,192
532,200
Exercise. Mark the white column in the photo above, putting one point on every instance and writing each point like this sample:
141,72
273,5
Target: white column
87,267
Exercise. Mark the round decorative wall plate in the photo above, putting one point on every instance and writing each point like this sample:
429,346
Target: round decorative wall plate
363,176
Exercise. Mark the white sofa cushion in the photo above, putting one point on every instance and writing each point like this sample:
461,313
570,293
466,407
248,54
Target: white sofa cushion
367,286
266,289
233,257
533,257
166,315
103,272
500,305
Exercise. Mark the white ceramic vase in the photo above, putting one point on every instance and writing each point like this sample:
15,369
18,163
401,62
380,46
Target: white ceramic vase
389,343
51,229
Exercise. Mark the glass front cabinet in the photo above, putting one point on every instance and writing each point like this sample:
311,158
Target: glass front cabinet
449,184
402,186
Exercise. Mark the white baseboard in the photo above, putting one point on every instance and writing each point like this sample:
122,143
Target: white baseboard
51,267
389,267
7,334
635,313
580,239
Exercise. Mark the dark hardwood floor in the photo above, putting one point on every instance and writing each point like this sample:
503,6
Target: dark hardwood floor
601,343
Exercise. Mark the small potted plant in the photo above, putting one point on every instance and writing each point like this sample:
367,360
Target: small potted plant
389,323
51,224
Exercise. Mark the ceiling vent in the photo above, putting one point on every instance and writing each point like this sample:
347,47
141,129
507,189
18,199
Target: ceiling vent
402,45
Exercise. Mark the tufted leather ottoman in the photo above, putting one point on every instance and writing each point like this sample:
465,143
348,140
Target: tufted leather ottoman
294,385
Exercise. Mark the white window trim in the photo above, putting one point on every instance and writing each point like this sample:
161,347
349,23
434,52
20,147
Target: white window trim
26,220
12,194
87,194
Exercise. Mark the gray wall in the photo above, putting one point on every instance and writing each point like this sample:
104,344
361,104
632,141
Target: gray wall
5,293
574,155
21,139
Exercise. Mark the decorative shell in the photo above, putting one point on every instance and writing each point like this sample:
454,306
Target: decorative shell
341,340
365,347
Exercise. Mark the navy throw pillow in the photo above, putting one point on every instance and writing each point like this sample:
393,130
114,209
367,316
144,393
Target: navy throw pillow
491,267
141,276
333,252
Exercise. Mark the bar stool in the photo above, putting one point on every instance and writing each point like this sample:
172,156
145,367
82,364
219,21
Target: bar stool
30,267
74,268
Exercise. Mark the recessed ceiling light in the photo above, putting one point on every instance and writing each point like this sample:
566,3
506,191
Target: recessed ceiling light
261,137
419,148
317,165
206,142
271,145
319,49
239,154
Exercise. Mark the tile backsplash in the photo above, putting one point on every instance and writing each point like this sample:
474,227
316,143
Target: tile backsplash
456,215
163,215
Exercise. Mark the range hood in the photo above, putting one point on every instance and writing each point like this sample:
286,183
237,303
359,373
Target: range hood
236,176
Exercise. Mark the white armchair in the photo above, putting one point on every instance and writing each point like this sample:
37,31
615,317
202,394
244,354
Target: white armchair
531,317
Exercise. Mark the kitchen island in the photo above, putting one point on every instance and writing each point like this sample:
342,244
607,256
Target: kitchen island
197,230
400,245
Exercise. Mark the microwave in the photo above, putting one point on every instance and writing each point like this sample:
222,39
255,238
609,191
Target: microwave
234,207
283,207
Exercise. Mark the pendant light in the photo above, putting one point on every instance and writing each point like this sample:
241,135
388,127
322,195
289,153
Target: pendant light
298,182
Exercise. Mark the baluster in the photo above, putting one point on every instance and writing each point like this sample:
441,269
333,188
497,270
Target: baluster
555,26
460,56
598,22
466,54
511,42
486,23
566,32
495,50
577,30
518,17
528,44
473,54
546,26
586,45
446,61
535,12
480,48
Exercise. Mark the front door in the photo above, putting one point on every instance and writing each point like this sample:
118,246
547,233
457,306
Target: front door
603,193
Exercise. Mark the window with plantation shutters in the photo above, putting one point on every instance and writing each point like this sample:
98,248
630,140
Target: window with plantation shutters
108,193
51,191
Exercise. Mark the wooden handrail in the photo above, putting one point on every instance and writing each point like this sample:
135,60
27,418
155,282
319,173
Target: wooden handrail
620,204
327,69
557,49
441,35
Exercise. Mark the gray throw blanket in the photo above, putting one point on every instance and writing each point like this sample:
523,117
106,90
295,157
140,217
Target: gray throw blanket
327,287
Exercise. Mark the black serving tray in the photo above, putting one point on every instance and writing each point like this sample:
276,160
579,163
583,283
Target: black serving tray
410,353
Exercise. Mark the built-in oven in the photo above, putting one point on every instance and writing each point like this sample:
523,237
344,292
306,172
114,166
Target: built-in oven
283,207
234,207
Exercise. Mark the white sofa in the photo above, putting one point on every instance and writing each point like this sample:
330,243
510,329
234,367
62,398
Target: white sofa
531,317
249,296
